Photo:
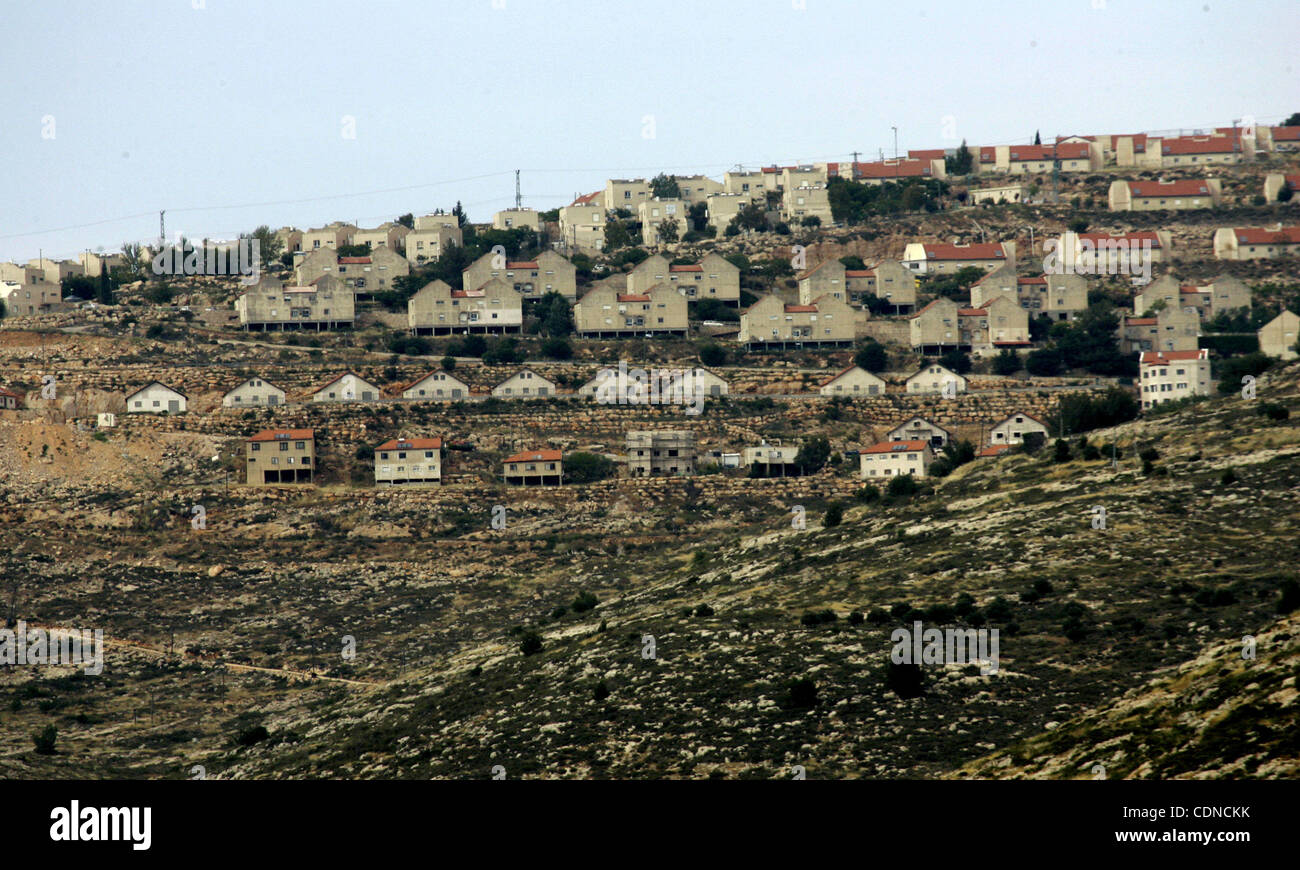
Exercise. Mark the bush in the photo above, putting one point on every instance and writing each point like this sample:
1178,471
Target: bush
905,681
1062,453
44,740
704,610
817,617
878,616
999,610
557,348
1006,363
587,467
1229,478
448,364
584,602
872,357
250,736
834,515
712,354
1288,596
903,485
868,493
801,694
1273,411
856,617
531,643
601,692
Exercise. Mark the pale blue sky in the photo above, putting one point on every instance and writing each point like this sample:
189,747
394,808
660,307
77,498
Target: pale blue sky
205,111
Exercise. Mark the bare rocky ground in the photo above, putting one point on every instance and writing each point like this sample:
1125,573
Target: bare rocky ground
218,633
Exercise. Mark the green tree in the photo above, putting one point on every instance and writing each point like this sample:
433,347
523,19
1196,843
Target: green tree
960,163
557,348
269,245
956,360
1006,363
587,467
105,287
834,515
407,220
448,364
872,356
812,454
665,187
668,231
712,354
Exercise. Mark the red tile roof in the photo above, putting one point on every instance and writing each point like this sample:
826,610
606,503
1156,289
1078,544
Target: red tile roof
859,273
522,264
1164,357
995,449
284,435
685,268
1198,145
1286,134
1064,151
972,312
354,261
1190,187
633,297
1139,321
586,200
10,393
896,447
1040,280
800,309
411,444
536,456
1261,236
901,168
973,251
927,154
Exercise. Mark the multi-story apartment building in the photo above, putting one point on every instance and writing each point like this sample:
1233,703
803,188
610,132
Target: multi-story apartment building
606,313
658,452
654,213
771,323
531,279
798,204
281,456
1057,297
827,278
437,309
390,235
28,299
714,277
625,193
582,224
334,235
1225,293
1278,337
369,274
725,206
409,462
1172,329
325,304
1107,253
1170,375
696,188
517,219
889,280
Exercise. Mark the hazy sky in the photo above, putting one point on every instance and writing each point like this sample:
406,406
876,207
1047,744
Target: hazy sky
235,114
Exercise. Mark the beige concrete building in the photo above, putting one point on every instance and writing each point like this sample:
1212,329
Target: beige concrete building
827,278
1172,329
725,206
525,384
934,378
531,279
1003,193
920,429
326,304
437,309
895,458
437,386
93,264
256,392
1225,293
388,235
1014,428
852,382
935,326
1205,150
800,203
659,452
347,387
653,213
423,245
697,188
534,468
290,238
1256,243
582,225
714,277
156,398
771,323
1164,195
770,460
749,186
1167,376
1276,182
334,235
409,462
517,219
624,193
924,258
55,271
606,313
281,456
888,279
1278,337
29,299
1057,297
1107,253
943,325
366,275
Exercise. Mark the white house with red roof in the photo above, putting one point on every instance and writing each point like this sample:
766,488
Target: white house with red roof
409,462
534,468
1164,195
1170,375
1256,243
10,400
1285,138
1277,182
895,458
926,258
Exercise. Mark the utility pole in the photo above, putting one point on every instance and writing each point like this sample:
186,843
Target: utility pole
895,129
518,199
855,165
162,229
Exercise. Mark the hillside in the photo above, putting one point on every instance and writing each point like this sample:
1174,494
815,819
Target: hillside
214,636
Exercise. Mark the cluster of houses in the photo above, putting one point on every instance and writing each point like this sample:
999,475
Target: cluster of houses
288,456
